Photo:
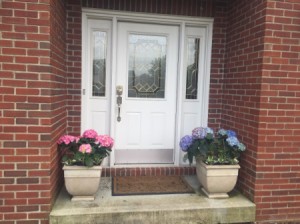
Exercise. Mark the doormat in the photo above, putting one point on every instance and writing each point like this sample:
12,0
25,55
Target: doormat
145,185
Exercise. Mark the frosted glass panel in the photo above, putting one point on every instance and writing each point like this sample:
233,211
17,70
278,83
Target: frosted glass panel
192,68
99,63
147,66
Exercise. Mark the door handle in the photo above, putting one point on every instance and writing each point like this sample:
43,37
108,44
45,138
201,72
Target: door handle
119,90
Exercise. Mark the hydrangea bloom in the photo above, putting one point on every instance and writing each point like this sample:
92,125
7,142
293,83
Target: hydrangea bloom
66,139
222,148
77,139
104,140
185,142
209,131
222,132
231,133
241,146
232,141
93,148
199,133
85,148
90,134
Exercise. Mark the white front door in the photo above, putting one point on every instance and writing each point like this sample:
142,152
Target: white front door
147,61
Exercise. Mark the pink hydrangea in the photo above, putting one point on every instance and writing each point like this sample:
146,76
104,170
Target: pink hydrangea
85,148
105,141
91,133
66,139
77,139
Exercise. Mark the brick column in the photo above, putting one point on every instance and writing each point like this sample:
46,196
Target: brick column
261,101
32,108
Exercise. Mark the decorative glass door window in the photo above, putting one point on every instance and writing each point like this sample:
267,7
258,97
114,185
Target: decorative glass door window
192,68
147,66
99,63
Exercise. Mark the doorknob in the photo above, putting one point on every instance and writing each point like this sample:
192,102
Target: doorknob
119,90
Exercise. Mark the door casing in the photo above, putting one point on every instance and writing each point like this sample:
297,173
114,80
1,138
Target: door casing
183,124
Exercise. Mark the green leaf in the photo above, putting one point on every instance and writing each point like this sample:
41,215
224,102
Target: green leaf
190,157
98,159
78,156
65,158
209,136
88,161
185,157
73,147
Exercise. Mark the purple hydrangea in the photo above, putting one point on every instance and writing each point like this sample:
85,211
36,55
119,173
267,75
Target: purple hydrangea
231,133
232,141
198,133
185,142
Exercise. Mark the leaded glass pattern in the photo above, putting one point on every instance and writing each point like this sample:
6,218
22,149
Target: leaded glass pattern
147,66
99,63
192,68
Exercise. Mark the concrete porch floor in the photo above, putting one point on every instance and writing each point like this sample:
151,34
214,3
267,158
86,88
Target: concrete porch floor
151,209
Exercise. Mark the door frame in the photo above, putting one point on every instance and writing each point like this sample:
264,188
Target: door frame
182,22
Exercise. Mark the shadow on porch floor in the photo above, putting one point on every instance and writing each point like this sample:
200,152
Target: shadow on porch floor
152,209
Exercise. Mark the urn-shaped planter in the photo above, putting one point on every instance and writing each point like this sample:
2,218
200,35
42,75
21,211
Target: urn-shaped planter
216,180
82,182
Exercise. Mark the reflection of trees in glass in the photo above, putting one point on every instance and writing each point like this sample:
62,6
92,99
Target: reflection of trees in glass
99,70
192,69
150,84
192,82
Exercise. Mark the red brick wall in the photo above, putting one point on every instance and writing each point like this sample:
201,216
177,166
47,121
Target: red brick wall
242,81
73,58
278,165
32,102
58,92
261,101
217,64
172,7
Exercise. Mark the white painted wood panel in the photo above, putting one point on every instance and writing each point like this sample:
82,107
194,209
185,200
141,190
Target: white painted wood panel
95,109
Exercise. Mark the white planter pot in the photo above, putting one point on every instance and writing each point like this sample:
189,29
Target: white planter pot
216,180
82,182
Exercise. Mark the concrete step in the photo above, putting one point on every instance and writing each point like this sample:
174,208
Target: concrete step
151,209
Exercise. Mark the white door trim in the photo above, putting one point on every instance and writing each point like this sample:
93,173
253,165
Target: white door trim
115,16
